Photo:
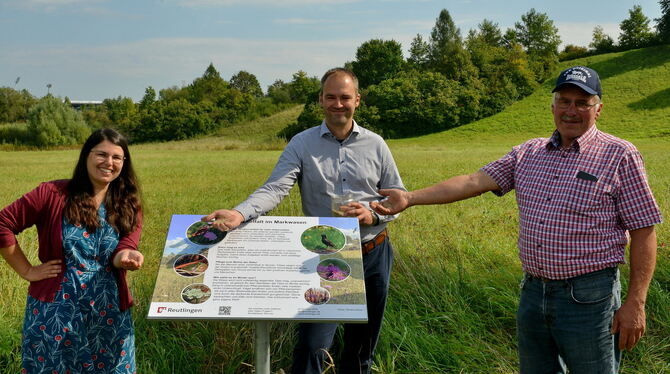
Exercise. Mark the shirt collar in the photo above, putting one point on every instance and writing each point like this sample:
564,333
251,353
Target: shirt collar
580,144
323,130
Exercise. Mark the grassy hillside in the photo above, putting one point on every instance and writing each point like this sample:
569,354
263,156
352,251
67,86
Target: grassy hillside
454,286
636,98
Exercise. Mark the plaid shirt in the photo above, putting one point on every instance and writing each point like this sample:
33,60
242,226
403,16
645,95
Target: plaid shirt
575,204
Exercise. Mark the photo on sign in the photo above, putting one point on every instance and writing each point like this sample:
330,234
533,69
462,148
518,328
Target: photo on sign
196,293
317,295
333,269
203,233
323,239
191,265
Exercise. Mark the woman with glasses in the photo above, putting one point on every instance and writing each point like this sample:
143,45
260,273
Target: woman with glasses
77,316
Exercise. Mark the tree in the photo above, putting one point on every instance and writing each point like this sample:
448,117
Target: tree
444,38
418,102
311,115
418,52
503,67
279,92
601,42
14,105
446,52
123,113
489,33
172,120
484,45
537,34
539,37
210,87
51,123
148,99
571,52
377,60
663,23
635,31
304,89
246,82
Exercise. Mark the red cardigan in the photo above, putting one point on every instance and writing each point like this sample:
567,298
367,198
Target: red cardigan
43,207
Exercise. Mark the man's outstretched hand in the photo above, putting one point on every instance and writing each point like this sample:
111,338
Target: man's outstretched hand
224,219
396,201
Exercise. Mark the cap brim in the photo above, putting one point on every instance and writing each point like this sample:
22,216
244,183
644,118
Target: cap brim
584,87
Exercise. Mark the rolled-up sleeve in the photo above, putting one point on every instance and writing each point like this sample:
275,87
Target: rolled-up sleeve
20,215
278,185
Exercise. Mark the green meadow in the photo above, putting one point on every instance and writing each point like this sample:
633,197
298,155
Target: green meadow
455,281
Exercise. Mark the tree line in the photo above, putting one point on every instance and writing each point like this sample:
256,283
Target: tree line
448,80
174,113
636,32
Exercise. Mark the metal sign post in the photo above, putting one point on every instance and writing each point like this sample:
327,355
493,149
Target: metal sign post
262,347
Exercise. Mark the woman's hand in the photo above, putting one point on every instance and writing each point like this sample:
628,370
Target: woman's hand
128,259
49,269
18,261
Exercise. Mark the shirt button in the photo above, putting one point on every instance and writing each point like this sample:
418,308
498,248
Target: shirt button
541,222
549,199
555,176
344,180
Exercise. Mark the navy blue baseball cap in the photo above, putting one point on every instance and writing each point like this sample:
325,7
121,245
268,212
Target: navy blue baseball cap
585,78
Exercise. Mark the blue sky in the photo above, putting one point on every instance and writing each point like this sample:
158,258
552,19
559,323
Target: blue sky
97,49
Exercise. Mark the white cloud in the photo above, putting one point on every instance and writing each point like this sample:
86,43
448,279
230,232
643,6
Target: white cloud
51,2
177,243
581,33
300,21
284,3
104,71
50,5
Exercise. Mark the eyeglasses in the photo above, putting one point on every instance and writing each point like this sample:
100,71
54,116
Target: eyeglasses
580,105
103,156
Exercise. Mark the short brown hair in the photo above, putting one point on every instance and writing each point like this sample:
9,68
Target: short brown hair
334,71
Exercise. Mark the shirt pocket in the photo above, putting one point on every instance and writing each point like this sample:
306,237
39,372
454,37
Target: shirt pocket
584,196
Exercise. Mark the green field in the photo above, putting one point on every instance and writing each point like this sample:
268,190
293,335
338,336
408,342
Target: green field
454,286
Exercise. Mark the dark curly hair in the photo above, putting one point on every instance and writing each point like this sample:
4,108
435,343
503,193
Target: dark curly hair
123,199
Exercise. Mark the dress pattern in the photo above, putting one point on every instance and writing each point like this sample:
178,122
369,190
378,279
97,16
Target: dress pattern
83,330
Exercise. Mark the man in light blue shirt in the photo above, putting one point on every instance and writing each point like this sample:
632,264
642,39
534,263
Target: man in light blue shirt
336,158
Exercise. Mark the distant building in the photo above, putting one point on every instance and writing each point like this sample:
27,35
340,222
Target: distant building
79,104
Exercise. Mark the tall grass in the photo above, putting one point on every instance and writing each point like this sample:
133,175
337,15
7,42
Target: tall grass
454,286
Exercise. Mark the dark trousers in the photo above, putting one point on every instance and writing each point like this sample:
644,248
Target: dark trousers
360,340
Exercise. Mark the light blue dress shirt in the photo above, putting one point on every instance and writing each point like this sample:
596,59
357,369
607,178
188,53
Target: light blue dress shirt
323,167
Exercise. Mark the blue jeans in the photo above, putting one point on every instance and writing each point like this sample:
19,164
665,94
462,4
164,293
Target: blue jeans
565,324
360,340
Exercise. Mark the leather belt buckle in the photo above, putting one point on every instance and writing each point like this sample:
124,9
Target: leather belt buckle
368,246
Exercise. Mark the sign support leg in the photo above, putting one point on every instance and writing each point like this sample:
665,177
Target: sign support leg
262,347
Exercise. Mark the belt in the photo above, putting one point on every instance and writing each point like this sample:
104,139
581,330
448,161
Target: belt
547,280
368,246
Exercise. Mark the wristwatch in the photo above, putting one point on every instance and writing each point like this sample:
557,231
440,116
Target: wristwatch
375,218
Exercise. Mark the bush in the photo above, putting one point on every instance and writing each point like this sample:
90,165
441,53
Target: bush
53,123
312,115
417,103
14,133
14,105
174,120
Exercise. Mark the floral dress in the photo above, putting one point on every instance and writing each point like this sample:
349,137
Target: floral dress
82,330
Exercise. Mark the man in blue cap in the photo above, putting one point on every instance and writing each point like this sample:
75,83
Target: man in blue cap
582,194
